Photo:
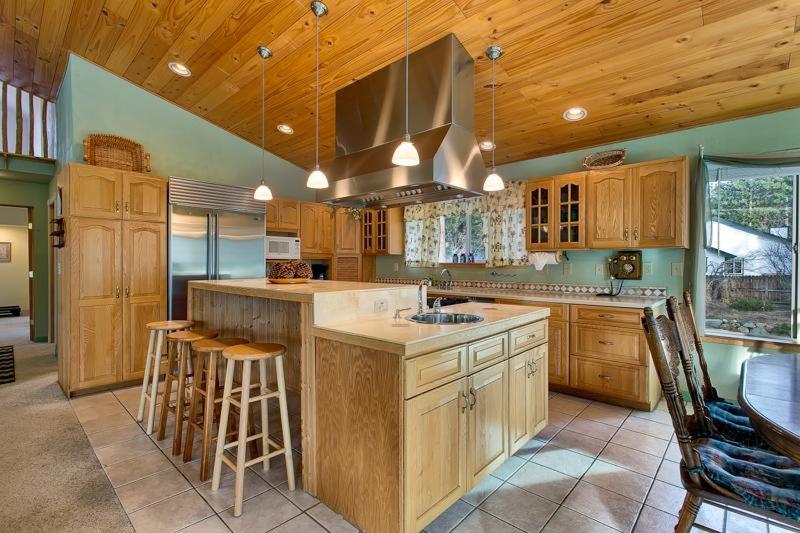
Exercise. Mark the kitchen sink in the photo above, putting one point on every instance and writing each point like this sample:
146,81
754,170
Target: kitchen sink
445,318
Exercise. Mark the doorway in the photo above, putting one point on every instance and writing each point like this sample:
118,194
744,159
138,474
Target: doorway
16,283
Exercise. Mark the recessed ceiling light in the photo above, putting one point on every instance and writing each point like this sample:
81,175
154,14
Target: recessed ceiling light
180,69
285,128
486,146
574,114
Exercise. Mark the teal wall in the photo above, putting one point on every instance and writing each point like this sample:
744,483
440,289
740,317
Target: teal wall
92,100
24,193
765,133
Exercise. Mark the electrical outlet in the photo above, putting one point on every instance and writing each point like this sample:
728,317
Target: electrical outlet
396,266
648,269
598,269
381,306
567,269
677,269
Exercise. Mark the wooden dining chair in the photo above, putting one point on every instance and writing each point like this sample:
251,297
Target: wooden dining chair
713,470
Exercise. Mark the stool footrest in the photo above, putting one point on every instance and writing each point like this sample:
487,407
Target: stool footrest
257,460
235,443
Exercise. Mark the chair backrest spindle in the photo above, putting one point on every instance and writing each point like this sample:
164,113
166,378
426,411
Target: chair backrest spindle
709,392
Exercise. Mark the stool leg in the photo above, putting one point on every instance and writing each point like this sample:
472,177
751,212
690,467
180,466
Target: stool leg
148,364
208,415
287,438
184,353
241,448
162,423
193,405
223,424
151,417
262,370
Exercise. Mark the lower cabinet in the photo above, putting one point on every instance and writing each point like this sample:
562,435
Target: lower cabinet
487,421
527,396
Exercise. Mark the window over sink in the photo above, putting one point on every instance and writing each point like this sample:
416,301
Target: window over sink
463,237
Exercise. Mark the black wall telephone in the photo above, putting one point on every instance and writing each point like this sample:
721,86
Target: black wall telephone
625,265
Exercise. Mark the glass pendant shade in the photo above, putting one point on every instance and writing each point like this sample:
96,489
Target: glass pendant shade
493,182
406,154
317,180
262,192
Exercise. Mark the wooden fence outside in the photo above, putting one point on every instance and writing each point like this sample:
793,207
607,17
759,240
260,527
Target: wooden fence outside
27,124
774,288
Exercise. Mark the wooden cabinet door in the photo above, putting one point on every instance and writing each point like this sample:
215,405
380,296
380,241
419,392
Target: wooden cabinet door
95,303
145,290
348,233
368,218
539,392
95,191
569,211
435,452
289,215
144,198
520,402
558,352
381,231
396,230
308,229
608,212
272,208
325,229
487,421
538,214
660,201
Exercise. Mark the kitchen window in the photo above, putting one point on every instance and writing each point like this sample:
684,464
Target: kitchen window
462,235
751,273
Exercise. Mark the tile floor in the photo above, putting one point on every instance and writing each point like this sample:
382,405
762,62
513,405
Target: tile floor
595,468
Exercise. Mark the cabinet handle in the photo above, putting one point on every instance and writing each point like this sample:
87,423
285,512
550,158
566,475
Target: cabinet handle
606,378
462,396
473,399
605,315
126,207
625,234
534,367
635,234
530,336
127,292
116,292
528,370
606,343
116,206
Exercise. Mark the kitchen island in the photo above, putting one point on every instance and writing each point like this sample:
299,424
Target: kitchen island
399,419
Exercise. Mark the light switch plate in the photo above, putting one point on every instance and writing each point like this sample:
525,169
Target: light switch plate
567,269
381,306
396,266
598,269
648,269
677,269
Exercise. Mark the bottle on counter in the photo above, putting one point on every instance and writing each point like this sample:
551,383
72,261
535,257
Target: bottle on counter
455,257
471,258
463,257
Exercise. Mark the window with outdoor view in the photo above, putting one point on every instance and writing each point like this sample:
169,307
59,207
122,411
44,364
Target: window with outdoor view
463,238
750,260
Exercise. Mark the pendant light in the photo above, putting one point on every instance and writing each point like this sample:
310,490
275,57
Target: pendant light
493,181
317,178
405,154
262,191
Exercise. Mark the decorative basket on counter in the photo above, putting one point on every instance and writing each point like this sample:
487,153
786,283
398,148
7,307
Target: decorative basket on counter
604,159
289,272
112,151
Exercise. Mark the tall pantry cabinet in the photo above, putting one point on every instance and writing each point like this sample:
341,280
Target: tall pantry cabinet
111,274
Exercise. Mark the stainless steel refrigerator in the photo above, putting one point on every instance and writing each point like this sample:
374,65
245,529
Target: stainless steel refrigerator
208,244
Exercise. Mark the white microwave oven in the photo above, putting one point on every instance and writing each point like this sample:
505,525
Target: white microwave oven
282,247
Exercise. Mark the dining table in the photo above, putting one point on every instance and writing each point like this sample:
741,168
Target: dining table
769,392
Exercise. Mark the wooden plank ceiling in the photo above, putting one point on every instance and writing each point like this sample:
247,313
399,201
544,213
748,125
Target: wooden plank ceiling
640,67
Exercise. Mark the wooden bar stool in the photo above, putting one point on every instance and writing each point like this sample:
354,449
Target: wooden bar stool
247,354
178,355
204,386
153,362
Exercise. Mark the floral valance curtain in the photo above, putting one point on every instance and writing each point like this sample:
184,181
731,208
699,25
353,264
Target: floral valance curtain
503,216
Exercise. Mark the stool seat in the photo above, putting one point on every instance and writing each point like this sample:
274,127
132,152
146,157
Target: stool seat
253,351
191,335
169,325
216,345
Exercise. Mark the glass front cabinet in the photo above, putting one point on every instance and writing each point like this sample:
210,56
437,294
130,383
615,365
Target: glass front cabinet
556,212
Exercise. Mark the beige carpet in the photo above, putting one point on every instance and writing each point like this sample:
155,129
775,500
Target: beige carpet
51,479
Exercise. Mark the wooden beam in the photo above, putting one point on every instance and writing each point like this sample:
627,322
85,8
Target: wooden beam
31,122
44,129
18,147
4,118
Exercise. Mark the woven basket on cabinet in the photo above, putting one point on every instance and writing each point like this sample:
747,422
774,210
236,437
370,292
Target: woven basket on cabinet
112,151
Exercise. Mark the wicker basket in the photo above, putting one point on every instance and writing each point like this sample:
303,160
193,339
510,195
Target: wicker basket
112,151
605,159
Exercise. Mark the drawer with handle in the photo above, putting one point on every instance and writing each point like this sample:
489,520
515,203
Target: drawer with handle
428,371
483,353
612,344
621,381
526,337
600,315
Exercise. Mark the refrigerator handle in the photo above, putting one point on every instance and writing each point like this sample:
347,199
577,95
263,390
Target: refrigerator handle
212,247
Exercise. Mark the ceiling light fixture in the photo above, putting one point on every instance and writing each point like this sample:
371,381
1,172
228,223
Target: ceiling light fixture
285,128
180,69
262,191
574,114
406,154
493,181
317,178
486,145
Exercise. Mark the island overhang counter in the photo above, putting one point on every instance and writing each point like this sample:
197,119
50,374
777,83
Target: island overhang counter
371,385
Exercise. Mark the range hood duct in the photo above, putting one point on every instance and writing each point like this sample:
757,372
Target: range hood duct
370,124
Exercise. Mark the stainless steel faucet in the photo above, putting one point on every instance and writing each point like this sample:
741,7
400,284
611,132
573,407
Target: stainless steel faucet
437,305
420,299
445,285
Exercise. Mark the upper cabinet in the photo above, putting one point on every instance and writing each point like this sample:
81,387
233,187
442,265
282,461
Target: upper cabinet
316,230
101,192
347,233
641,206
383,231
283,215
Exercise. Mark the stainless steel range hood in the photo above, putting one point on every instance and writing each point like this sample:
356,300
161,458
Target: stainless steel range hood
370,124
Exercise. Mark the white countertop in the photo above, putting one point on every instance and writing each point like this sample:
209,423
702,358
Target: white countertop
636,302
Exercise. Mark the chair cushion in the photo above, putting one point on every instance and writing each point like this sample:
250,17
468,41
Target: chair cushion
760,478
725,405
734,428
